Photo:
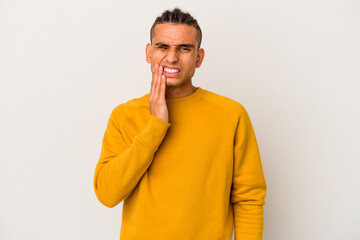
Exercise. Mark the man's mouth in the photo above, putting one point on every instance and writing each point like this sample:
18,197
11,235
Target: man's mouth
170,72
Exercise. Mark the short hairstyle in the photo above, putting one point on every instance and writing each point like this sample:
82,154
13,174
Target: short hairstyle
178,17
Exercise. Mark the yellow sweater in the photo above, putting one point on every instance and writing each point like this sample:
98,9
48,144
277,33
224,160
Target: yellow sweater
189,179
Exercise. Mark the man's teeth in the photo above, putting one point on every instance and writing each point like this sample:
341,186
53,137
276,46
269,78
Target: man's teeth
171,70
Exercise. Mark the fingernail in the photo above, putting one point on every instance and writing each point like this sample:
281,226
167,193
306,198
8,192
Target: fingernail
156,65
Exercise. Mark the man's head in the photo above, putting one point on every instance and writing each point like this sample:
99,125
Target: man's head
175,45
178,17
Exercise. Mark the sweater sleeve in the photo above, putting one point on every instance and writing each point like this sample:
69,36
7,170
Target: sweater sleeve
121,166
248,186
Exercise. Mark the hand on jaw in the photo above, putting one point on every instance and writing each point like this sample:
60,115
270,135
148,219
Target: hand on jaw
157,100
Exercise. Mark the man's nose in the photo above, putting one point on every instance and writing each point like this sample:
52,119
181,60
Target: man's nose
172,56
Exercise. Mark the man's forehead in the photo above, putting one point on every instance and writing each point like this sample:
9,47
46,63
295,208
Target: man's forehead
174,34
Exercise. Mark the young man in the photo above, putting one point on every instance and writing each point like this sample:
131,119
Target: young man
184,160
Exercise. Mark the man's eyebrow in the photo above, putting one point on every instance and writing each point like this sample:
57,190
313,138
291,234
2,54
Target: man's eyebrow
188,45
161,44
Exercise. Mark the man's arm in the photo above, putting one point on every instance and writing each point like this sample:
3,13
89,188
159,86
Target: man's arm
120,167
249,186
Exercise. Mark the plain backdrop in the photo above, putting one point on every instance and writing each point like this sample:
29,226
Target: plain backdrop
64,65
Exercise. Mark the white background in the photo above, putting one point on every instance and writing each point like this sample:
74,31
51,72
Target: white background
64,65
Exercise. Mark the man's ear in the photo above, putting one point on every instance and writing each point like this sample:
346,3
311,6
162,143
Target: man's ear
148,52
200,57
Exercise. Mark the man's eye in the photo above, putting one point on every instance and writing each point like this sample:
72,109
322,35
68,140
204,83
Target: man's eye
185,49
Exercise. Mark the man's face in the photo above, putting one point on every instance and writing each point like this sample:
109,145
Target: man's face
174,46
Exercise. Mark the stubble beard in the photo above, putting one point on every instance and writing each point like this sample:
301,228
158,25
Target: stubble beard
176,82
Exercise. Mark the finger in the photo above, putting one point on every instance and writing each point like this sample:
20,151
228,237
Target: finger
154,74
163,86
158,81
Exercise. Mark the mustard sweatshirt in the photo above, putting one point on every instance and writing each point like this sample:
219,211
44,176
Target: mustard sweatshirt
189,179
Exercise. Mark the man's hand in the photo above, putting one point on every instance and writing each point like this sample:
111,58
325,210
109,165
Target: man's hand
157,101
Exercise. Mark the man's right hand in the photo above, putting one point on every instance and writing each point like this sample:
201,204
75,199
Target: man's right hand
157,100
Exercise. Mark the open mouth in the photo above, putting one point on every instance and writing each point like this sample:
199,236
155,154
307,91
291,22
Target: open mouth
170,72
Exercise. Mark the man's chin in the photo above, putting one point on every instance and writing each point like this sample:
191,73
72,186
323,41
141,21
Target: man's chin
172,81
172,85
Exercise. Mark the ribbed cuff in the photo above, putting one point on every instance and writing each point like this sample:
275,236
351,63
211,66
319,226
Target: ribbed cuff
154,132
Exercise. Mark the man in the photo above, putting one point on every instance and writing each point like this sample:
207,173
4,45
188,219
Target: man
184,160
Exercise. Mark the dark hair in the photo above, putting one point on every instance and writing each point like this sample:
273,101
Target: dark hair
179,17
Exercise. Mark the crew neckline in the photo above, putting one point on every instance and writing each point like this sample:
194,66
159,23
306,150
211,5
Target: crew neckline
190,98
